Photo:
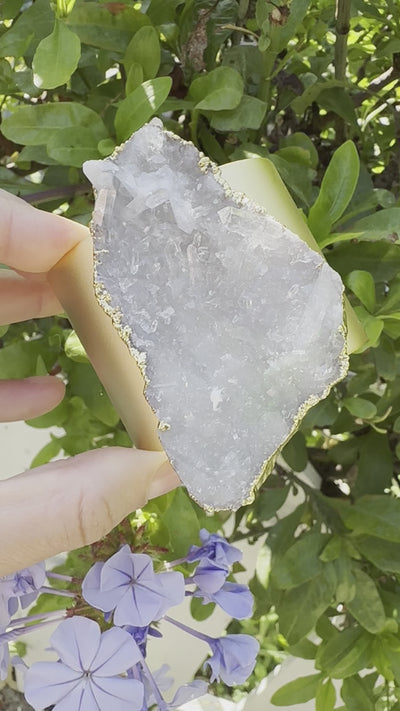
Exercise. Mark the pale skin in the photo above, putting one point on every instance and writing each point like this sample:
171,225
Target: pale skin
72,502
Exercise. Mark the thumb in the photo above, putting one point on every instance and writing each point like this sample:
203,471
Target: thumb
73,502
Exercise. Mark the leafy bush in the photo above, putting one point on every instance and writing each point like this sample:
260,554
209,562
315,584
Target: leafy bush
318,95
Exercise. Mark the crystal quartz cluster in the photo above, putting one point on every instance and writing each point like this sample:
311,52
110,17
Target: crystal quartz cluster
238,323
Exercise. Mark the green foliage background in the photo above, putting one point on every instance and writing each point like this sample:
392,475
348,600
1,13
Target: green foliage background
318,93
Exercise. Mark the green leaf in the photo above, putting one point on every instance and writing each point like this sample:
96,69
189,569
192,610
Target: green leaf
311,93
219,90
48,452
381,259
38,125
108,26
249,114
56,57
72,147
366,605
325,698
301,561
345,653
359,407
74,349
298,691
346,583
269,501
140,106
84,382
356,695
182,523
377,516
281,535
337,188
29,28
363,286
144,49
301,140
340,102
199,611
295,452
385,555
134,78
54,418
298,11
300,607
375,465
384,224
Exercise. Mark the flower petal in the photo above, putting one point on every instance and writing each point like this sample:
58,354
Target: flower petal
73,701
189,692
92,593
77,640
117,653
118,694
46,683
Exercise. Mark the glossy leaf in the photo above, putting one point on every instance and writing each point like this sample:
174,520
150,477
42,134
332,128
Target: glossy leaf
109,26
32,25
36,125
377,516
337,188
221,89
345,653
359,407
325,698
297,692
362,285
140,106
144,49
301,561
385,555
366,605
56,57
300,607
356,696
248,114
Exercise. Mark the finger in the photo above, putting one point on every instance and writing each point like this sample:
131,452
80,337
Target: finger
22,299
33,240
74,502
31,397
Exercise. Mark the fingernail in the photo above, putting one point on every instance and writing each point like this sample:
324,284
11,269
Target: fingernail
164,480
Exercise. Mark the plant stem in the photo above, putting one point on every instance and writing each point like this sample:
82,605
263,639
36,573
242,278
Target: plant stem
32,618
189,630
161,703
342,33
54,591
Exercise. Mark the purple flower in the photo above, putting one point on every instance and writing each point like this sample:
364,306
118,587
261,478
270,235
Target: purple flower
188,692
128,585
215,548
140,635
233,658
208,576
22,586
87,675
233,598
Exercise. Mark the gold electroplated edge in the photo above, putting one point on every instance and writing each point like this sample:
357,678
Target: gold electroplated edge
125,332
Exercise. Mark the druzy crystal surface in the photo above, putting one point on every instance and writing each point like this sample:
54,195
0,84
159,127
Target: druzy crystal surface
239,322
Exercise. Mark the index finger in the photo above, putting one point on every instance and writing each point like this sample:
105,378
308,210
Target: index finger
32,240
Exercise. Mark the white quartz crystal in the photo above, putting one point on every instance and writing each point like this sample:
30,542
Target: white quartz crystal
239,321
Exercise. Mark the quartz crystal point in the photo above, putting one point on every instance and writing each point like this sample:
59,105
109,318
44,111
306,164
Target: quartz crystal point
236,322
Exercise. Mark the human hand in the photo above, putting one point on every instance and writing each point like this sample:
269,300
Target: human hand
73,502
